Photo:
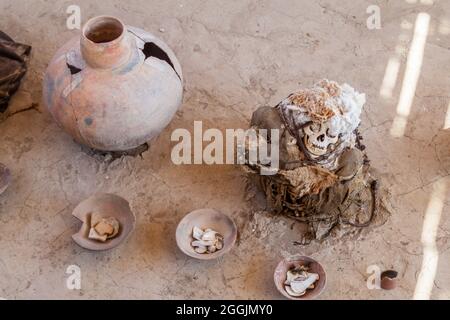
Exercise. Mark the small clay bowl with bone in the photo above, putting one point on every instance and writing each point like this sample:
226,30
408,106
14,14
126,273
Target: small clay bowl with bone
313,282
203,229
107,221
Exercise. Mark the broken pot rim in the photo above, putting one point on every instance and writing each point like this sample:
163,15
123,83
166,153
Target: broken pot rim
229,237
285,265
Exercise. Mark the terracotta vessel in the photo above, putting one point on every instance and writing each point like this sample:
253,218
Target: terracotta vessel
114,87
389,279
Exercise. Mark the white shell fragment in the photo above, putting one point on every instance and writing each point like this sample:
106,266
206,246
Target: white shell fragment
291,276
299,280
200,250
301,285
206,241
292,293
202,243
95,236
197,233
209,236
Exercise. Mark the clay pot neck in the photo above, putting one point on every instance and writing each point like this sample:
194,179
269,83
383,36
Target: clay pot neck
105,43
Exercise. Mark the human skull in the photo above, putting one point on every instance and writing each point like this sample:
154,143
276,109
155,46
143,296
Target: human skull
318,139
323,119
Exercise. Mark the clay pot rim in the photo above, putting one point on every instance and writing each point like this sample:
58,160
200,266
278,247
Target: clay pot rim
115,42
389,274
282,269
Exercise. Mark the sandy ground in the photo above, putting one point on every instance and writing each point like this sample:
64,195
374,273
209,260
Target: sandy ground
236,56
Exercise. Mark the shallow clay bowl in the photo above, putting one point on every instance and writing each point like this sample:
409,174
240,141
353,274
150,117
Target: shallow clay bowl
315,267
107,205
5,178
206,218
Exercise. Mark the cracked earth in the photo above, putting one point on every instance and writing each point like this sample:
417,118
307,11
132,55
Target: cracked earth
236,56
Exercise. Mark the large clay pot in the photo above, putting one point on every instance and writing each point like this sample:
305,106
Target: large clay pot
115,87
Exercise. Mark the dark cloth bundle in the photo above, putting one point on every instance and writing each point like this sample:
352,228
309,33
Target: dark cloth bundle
13,58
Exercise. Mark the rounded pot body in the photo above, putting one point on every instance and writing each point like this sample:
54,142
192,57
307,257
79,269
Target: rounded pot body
114,87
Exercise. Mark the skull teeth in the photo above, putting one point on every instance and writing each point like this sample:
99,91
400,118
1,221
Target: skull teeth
319,145
314,148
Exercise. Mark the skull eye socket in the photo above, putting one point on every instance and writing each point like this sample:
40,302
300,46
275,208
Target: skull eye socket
330,135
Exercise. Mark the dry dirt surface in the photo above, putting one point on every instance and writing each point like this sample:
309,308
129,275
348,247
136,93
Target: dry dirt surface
236,56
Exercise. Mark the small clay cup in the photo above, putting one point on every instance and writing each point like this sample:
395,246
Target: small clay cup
206,218
290,263
389,279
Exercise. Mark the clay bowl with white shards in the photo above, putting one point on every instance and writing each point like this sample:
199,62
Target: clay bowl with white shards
290,263
204,219
106,205
5,178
